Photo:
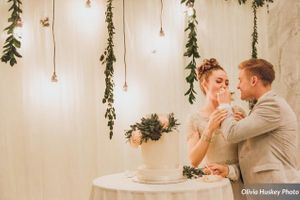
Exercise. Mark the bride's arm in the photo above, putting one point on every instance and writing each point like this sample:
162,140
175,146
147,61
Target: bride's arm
199,142
198,146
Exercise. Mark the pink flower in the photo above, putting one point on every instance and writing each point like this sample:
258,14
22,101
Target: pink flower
164,121
136,138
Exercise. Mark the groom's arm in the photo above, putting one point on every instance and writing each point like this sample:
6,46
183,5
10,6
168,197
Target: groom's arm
263,119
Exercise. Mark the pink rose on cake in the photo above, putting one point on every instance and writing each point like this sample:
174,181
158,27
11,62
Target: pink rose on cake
164,121
136,138
150,127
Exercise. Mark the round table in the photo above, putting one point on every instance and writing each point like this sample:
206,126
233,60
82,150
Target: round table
120,187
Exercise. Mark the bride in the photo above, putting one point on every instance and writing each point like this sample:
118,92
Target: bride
206,144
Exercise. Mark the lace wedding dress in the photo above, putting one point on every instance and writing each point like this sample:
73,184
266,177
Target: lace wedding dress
219,150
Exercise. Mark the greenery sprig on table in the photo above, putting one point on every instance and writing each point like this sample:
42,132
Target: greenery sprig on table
151,128
108,58
191,50
12,43
191,172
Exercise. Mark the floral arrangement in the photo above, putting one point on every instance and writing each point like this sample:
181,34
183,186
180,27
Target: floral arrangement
150,127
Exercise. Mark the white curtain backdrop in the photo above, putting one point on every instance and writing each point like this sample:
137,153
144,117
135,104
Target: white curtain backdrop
53,136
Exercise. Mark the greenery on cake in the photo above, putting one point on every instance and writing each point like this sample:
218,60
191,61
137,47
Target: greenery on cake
150,128
191,172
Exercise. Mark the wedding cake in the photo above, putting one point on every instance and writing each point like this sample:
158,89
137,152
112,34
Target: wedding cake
159,140
161,160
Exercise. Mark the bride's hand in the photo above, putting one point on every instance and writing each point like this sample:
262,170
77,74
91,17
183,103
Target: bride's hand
216,118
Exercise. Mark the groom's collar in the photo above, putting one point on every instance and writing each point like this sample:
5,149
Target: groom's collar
267,94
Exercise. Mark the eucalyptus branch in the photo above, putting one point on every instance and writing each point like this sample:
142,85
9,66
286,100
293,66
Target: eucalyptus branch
191,49
108,58
12,42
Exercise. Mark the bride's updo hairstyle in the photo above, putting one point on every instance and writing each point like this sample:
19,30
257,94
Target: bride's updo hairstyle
205,70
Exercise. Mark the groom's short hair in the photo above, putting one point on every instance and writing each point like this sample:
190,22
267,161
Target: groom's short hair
260,68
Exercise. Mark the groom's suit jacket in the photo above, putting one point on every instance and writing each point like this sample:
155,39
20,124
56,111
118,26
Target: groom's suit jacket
267,140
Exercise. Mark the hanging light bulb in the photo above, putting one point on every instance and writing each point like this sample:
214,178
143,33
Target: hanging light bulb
125,87
190,11
18,28
161,32
88,3
19,23
54,77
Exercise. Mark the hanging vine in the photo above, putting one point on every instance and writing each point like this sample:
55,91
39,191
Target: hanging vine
254,34
255,5
191,49
108,58
12,43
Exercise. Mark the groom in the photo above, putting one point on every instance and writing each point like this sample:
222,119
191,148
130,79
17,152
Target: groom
267,136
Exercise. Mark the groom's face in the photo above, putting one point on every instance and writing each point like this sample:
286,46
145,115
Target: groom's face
244,85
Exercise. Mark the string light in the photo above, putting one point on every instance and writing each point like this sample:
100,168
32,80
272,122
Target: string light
125,86
161,32
19,23
54,76
190,9
18,28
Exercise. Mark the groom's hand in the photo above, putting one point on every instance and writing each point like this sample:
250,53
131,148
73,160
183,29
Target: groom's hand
216,169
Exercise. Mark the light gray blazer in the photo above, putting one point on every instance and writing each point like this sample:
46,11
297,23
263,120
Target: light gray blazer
267,140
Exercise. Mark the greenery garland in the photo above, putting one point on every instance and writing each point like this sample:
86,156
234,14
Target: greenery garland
108,58
255,5
12,43
191,50
255,33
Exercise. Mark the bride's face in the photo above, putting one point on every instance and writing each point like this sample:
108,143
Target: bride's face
217,80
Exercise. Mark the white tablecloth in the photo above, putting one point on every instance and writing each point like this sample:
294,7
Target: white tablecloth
120,187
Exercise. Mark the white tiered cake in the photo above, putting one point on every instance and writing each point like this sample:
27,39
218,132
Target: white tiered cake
161,160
